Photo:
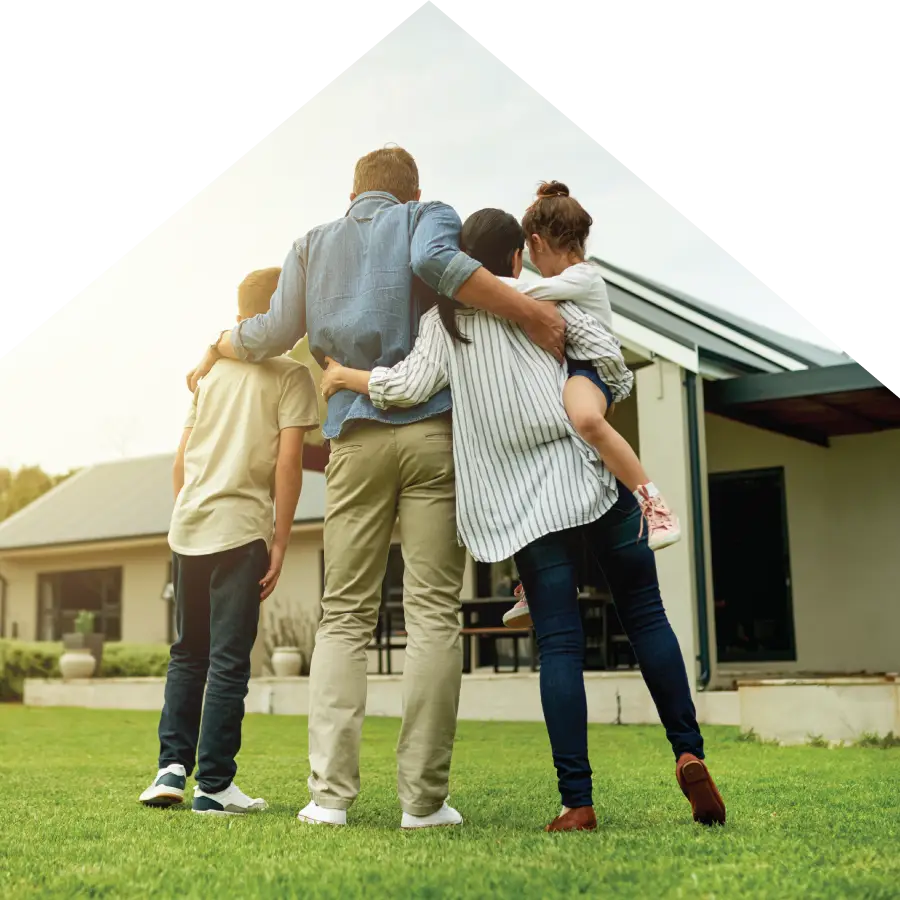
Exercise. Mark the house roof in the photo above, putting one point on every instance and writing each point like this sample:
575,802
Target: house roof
813,405
126,499
726,343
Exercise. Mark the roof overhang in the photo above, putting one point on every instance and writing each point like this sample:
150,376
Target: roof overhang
812,405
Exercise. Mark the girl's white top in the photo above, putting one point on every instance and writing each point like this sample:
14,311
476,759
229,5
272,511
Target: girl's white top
582,284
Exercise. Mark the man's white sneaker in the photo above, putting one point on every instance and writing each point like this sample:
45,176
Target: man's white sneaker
230,802
167,788
446,815
313,814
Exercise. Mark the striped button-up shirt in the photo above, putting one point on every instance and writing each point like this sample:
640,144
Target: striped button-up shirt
521,469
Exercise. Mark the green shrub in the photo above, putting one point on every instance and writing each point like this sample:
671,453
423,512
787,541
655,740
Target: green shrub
134,660
40,659
26,659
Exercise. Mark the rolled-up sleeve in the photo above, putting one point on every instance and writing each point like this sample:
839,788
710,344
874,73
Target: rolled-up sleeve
436,257
418,377
278,330
587,339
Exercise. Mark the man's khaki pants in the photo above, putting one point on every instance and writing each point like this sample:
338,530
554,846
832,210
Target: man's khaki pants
377,472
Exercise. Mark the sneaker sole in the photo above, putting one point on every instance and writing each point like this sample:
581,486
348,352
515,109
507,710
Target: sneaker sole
306,820
709,810
436,825
226,812
521,620
162,800
663,543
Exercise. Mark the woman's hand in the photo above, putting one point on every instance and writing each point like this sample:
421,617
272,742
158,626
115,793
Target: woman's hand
332,378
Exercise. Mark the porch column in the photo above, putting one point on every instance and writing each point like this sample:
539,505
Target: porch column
662,426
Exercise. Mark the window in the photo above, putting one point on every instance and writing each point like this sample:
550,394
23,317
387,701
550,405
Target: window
62,595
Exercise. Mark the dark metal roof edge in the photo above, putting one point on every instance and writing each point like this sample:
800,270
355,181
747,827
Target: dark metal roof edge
730,392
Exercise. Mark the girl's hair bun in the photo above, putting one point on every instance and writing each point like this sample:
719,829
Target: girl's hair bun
552,189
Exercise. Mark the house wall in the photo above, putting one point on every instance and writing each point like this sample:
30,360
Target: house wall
144,571
662,420
842,506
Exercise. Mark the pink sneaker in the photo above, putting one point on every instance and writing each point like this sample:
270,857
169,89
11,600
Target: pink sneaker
663,528
520,615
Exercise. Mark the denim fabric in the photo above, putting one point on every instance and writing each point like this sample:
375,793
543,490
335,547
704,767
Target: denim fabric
548,568
586,370
217,615
349,286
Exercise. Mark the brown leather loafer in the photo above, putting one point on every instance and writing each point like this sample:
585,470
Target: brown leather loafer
698,786
581,818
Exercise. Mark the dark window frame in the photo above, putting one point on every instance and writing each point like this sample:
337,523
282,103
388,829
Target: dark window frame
108,613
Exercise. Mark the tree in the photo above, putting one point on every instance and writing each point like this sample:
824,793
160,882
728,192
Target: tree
18,489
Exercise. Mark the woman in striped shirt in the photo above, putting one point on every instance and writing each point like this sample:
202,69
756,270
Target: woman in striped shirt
529,486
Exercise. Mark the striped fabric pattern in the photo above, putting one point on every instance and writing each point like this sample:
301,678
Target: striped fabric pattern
521,469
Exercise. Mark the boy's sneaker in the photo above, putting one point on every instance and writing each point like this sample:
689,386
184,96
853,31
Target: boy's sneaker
520,615
167,788
446,815
663,528
230,802
313,814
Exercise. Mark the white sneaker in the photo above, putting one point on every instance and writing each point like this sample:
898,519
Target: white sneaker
167,788
313,814
446,815
230,802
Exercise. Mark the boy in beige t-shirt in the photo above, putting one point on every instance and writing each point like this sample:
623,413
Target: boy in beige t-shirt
237,480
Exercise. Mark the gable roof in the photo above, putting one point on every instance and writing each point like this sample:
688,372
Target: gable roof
126,499
726,344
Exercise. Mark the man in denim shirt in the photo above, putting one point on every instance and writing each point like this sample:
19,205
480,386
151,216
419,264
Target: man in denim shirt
349,285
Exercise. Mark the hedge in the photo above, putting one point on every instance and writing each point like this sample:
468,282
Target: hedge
40,659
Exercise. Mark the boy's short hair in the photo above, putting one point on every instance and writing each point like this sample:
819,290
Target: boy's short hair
255,292
492,237
391,170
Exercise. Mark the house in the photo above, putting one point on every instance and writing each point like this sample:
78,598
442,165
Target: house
780,457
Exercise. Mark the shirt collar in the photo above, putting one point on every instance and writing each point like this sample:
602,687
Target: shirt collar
370,202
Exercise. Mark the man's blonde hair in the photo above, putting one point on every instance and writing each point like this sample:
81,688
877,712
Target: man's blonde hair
255,292
391,170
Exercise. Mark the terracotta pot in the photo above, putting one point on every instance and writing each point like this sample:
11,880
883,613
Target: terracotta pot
287,662
77,664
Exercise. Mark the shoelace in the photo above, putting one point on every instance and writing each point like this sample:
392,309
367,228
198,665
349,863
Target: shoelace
653,512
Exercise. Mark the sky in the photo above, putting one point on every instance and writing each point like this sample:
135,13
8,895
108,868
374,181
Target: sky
104,377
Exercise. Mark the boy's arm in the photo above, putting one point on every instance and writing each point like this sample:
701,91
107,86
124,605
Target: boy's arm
411,382
297,413
178,467
586,338
437,259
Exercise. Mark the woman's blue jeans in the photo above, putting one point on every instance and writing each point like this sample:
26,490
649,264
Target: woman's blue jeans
548,569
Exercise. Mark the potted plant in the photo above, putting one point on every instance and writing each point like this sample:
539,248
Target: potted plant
285,636
82,650
85,637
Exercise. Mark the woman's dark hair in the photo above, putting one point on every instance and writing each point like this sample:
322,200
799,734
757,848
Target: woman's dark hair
426,297
558,218
491,237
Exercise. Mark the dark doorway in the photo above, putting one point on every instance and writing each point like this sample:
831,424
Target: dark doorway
751,567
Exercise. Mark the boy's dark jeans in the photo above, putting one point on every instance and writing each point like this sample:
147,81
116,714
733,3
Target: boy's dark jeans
548,568
217,615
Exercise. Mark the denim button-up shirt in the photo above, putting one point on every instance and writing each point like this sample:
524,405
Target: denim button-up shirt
349,285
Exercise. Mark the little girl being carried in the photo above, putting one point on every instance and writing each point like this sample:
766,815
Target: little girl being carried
556,229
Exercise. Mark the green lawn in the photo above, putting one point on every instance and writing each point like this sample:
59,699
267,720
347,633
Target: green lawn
803,822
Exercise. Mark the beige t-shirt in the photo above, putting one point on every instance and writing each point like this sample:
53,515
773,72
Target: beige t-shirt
236,417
